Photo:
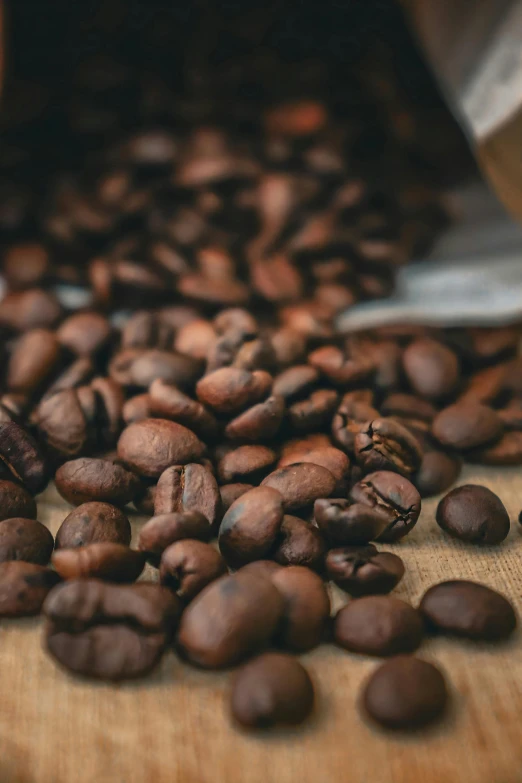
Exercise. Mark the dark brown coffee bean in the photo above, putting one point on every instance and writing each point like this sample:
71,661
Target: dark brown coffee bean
109,424
383,444
314,412
231,492
188,488
485,386
230,390
334,460
273,689
84,334
168,402
85,479
342,368
361,572
35,356
188,566
76,374
378,625
23,588
438,471
151,446
467,426
355,410
474,514
399,404
33,308
468,609
25,264
21,455
25,539
307,608
295,382
62,424
144,500
432,368
392,495
512,416
301,484
139,368
507,451
289,346
264,568
165,529
300,544
15,501
137,408
405,693
344,523
251,526
93,523
233,617
258,423
106,561
244,463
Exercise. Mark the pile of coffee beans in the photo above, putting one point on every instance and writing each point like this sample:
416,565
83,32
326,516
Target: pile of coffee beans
199,377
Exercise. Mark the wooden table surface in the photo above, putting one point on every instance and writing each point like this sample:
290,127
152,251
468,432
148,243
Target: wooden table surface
174,726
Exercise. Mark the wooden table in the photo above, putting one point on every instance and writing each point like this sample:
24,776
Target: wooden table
173,726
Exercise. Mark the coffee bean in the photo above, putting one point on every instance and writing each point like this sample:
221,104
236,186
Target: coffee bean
85,479
195,338
378,625
405,693
230,390
438,471
467,426
104,560
250,528
62,425
84,334
168,402
109,632
34,358
264,568
289,346
392,495
15,501
301,484
484,386
188,566
400,404
140,367
22,456
342,368
25,264
468,609
23,588
273,689
355,410
30,309
474,514
165,529
295,382
144,500
137,408
334,460
233,617
151,446
432,368
230,493
245,462
93,523
361,571
258,423
507,451
300,544
25,539
314,412
383,444
343,522
307,608
188,488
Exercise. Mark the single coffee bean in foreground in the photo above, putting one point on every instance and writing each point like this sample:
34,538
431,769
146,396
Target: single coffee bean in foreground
24,587
25,539
378,625
273,689
391,495
85,479
468,609
104,560
306,611
165,529
364,571
188,566
405,693
474,514
93,523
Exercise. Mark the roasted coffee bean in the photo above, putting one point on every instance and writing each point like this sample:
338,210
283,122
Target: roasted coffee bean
188,566
109,632
251,526
264,568
334,460
378,625
151,446
144,499
84,334
289,346
233,617
230,390
33,308
195,338
261,422
507,451
465,426
392,495
485,386
25,264
15,501
273,689
314,412
361,571
399,404
93,523
405,693
21,455
468,609
432,368
34,358
474,514
235,318
301,484
438,471
188,488
300,544
140,367
62,424
25,539
295,382
245,463
353,413
137,408
85,479
107,561
168,402
383,444
230,493
165,529
342,368
344,523
307,608
23,588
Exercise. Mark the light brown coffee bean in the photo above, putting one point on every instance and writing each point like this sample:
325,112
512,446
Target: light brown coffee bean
92,523
25,539
188,488
188,566
85,479
104,560
301,484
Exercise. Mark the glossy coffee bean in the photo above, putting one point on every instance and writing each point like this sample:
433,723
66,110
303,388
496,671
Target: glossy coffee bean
165,529
299,544
261,422
107,561
231,492
393,496
384,444
465,426
151,446
251,527
334,460
378,625
474,514
92,523
307,608
85,479
363,571
230,390
84,334
35,356
344,523
168,402
405,693
314,412
20,452
355,410
24,587
467,609
301,484
25,539
438,471
245,462
188,566
273,689
15,501
190,487
431,368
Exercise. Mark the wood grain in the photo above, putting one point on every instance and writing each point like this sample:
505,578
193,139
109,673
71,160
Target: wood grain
174,726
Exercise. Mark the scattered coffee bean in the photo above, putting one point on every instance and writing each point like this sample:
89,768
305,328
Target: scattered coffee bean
468,609
307,608
20,453
378,625
261,422
230,390
93,523
393,496
107,561
25,539
438,471
344,523
151,446
15,501
230,493
165,529
301,484
507,451
188,566
190,487
355,410
244,463
334,460
299,544
469,425
474,514
251,526
364,571
273,689
23,588
432,368
384,444
85,479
